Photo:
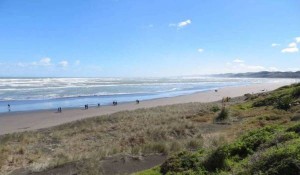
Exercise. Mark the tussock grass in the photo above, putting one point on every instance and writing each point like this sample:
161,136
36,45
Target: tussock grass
163,130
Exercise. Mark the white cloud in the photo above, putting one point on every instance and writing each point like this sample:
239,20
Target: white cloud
200,50
45,61
252,67
184,23
291,48
42,62
63,63
293,44
275,44
297,39
238,61
181,24
239,65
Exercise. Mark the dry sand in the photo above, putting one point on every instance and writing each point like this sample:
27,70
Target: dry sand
24,121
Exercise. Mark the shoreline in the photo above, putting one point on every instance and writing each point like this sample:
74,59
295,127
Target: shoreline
33,120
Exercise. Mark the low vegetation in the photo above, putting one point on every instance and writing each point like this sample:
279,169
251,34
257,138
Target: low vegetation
160,130
269,142
255,134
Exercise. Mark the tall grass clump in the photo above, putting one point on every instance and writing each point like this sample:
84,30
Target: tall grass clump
223,115
296,92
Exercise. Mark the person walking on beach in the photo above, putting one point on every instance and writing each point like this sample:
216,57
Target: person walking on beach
8,107
115,103
98,105
137,101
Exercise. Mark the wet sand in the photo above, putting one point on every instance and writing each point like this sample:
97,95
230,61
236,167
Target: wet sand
24,121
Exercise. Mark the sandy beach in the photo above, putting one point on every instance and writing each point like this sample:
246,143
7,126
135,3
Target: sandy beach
25,121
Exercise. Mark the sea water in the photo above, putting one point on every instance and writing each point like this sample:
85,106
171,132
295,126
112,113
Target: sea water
26,94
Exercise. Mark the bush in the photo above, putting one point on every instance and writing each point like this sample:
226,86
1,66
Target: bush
280,138
215,109
182,162
223,115
217,160
277,160
284,103
265,101
296,92
254,139
249,143
250,96
295,128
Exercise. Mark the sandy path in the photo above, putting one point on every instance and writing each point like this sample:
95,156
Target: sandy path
23,121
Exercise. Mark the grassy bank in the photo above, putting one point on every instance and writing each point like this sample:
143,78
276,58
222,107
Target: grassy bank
242,138
84,143
269,142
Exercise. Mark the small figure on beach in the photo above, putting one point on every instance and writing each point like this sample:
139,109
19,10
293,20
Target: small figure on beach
137,101
98,105
216,90
59,109
8,107
86,106
115,103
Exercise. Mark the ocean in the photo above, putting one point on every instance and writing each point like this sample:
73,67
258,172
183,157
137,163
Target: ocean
27,94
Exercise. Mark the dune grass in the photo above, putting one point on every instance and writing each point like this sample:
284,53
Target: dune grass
161,130
167,130
268,141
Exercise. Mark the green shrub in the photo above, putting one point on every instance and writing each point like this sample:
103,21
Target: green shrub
295,128
152,171
248,143
284,103
296,92
284,159
265,101
254,139
216,160
279,139
223,115
183,162
215,109
250,96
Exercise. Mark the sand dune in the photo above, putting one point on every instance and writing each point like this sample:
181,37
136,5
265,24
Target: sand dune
24,121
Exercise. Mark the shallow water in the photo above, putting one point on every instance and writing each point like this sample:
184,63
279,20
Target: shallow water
26,94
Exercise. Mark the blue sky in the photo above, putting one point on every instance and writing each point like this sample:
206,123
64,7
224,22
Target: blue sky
147,37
